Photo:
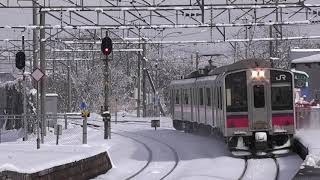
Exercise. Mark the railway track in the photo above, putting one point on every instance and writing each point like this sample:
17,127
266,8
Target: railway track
149,155
245,169
175,153
149,149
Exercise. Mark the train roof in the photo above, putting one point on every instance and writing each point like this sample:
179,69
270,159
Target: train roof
243,64
182,81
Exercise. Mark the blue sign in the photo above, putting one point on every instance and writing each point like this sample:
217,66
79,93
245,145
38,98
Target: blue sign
83,105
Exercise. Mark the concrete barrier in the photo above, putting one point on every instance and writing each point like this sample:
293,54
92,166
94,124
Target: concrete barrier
78,170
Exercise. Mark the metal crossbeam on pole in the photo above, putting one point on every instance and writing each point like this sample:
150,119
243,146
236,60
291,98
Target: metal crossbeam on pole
159,26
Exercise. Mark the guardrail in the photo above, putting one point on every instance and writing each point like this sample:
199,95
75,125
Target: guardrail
13,127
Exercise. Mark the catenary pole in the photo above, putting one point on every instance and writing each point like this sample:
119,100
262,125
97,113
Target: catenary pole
43,79
144,80
24,98
106,92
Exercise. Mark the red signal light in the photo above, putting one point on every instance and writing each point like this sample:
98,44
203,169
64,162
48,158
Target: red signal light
106,46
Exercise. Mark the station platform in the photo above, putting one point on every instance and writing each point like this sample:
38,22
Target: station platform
24,161
307,144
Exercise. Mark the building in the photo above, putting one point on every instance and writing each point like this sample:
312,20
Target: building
308,60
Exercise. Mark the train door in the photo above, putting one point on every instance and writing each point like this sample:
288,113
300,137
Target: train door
259,112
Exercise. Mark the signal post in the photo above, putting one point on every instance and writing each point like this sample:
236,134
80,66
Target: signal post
106,48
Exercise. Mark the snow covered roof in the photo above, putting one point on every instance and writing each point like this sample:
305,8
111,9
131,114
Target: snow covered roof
51,95
305,50
309,59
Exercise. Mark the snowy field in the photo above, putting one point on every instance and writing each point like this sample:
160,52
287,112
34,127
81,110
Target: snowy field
138,151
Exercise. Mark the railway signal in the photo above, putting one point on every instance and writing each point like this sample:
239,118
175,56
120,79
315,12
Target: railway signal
20,60
106,48
106,45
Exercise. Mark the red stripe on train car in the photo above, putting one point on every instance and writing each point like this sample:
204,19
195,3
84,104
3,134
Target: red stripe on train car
237,121
282,119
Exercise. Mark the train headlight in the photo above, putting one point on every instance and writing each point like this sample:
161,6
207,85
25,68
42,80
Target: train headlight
256,74
261,74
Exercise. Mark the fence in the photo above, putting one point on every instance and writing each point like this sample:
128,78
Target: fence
308,117
12,128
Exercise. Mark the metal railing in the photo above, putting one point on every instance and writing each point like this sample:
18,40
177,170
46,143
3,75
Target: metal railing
70,124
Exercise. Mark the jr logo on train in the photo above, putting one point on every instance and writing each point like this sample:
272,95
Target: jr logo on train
249,103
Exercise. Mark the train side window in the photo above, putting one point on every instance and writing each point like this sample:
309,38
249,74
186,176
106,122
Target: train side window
208,96
201,96
186,97
258,95
177,97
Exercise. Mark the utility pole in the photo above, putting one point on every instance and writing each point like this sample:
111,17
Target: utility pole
43,80
106,48
25,125
106,84
270,42
156,94
144,80
35,39
139,79
69,86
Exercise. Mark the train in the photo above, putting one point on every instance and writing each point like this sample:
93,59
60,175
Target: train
249,103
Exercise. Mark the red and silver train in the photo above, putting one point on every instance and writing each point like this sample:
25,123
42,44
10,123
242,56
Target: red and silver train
249,103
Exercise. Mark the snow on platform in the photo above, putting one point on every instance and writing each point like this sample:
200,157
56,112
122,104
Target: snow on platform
23,156
310,139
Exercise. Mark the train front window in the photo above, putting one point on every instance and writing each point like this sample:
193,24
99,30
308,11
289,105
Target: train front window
236,92
281,95
258,95
281,90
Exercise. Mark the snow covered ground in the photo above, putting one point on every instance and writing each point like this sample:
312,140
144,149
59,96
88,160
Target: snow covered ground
310,139
23,157
138,151
309,134
199,157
